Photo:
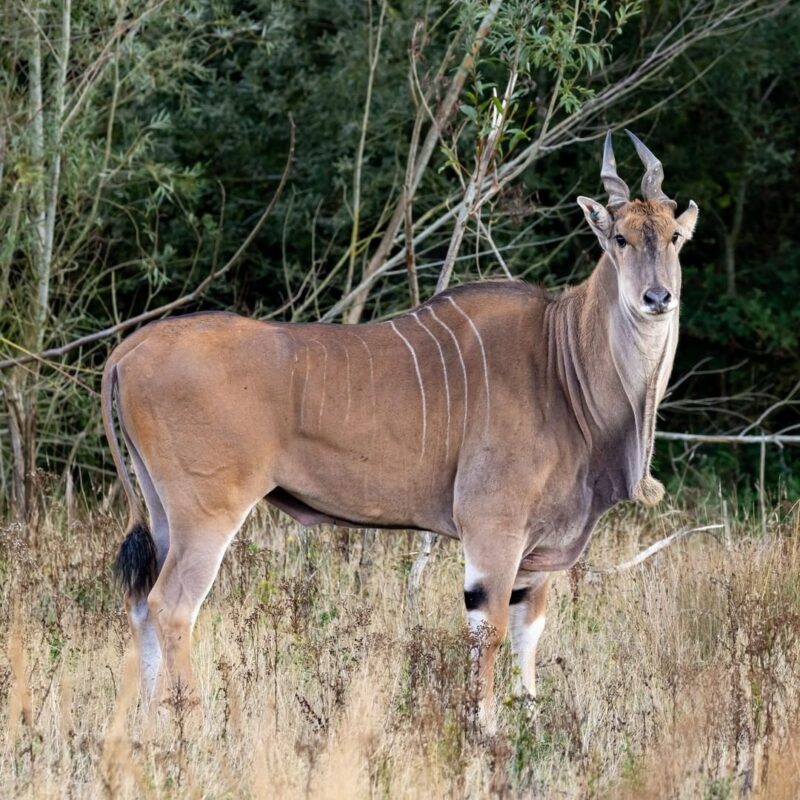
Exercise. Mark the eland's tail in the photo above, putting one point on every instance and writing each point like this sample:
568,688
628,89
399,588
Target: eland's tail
136,565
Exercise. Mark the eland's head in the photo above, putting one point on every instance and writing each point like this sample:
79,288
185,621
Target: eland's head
642,237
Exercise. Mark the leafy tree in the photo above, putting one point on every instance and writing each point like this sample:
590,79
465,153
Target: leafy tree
140,142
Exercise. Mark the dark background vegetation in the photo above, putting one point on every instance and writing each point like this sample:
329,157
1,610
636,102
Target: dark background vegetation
182,140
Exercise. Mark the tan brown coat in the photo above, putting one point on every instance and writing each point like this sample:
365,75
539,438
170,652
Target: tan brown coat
494,413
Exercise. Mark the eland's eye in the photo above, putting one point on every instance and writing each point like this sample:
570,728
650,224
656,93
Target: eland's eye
620,240
675,237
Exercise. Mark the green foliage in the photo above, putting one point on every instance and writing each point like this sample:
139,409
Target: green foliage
183,132
551,48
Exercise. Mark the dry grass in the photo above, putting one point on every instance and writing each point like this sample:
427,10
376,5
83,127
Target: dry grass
679,679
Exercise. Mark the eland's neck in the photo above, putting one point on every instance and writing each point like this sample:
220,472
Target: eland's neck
614,367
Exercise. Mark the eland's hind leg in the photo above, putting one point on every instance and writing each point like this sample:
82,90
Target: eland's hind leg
198,542
528,602
143,629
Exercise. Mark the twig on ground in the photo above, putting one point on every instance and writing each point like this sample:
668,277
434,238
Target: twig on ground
650,551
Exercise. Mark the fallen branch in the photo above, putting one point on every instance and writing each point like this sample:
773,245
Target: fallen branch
711,438
181,301
650,551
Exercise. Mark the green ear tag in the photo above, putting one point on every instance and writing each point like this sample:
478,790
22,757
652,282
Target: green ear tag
594,214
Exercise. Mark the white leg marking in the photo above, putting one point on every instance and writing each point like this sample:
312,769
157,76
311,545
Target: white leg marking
475,619
524,638
472,581
421,386
480,626
463,370
483,354
472,576
446,382
149,648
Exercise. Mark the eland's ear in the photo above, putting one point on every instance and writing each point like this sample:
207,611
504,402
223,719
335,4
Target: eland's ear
688,220
598,218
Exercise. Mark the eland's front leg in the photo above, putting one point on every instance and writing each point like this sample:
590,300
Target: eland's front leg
528,603
491,568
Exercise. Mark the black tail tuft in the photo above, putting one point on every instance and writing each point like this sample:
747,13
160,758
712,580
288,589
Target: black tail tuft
137,567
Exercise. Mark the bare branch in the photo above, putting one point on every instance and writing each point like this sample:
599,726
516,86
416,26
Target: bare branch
374,55
471,202
426,151
774,407
710,438
484,229
408,195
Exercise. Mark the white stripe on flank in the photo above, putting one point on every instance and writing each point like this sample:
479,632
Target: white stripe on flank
371,378
463,370
421,386
524,635
347,373
483,353
446,382
324,380
305,384
291,376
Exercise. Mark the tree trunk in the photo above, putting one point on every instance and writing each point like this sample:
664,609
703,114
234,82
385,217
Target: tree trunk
21,388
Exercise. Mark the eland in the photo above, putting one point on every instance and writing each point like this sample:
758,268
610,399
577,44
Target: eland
495,413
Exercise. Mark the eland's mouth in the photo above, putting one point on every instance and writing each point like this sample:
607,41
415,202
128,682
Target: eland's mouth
659,310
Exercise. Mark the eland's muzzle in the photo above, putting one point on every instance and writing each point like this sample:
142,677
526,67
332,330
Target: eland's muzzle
657,300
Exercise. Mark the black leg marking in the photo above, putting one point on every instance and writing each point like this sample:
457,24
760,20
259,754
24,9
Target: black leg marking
475,598
518,596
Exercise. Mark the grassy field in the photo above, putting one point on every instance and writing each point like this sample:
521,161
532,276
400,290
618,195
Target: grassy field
680,678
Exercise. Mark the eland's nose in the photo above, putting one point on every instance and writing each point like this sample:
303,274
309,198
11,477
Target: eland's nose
657,299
